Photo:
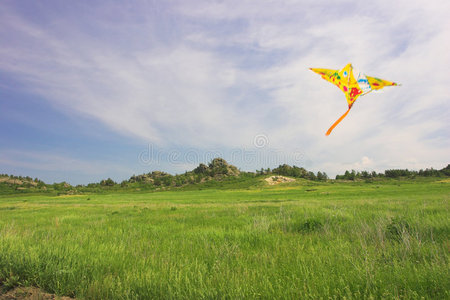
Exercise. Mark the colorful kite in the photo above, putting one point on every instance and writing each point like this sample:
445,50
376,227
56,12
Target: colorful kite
353,84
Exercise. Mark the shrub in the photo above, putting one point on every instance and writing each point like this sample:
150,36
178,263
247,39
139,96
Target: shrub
397,228
311,225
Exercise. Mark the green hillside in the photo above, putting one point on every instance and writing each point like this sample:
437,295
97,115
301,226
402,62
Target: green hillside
218,174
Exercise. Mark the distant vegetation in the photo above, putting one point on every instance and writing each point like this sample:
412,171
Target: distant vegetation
217,174
11,184
395,173
298,172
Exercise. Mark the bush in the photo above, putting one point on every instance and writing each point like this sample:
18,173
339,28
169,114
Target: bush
397,228
311,225
107,182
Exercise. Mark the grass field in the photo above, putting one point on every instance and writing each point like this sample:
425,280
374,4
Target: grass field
304,240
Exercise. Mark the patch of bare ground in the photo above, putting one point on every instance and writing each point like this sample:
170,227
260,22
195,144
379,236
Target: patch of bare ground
29,293
272,180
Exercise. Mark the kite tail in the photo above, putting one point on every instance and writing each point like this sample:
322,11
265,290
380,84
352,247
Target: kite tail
337,122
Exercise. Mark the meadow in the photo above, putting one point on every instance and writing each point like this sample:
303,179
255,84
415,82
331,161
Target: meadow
302,240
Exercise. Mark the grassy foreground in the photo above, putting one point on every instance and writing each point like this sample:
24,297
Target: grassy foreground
296,241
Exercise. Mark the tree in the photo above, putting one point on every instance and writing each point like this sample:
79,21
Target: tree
446,171
124,183
107,182
157,181
178,181
201,169
321,176
311,176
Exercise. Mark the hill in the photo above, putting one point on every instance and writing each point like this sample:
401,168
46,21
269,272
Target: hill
217,169
12,184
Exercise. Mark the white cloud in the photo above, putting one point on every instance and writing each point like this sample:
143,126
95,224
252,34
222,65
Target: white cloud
168,95
235,69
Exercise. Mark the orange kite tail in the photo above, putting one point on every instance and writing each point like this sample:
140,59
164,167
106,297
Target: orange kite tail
337,122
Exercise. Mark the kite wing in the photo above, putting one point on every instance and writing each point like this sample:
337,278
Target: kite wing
377,83
344,79
353,84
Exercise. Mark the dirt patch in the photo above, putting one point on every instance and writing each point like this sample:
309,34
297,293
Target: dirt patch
29,293
272,180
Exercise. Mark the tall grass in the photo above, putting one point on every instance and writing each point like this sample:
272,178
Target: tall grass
384,240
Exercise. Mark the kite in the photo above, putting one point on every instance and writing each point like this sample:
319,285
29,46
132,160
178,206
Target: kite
353,83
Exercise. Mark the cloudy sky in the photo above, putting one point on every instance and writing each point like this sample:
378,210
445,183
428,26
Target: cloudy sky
96,89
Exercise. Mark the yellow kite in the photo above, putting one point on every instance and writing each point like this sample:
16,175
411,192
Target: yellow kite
353,84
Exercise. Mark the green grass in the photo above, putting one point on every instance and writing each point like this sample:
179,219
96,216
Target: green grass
304,240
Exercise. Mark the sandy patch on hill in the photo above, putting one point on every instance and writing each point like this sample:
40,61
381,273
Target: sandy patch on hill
272,180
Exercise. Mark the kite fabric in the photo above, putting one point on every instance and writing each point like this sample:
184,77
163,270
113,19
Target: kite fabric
353,83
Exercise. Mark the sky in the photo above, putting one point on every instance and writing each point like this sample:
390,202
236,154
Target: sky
98,89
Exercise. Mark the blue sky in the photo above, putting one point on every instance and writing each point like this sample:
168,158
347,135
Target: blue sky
97,89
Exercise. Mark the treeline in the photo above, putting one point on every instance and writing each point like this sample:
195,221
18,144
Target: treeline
215,174
297,172
395,173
